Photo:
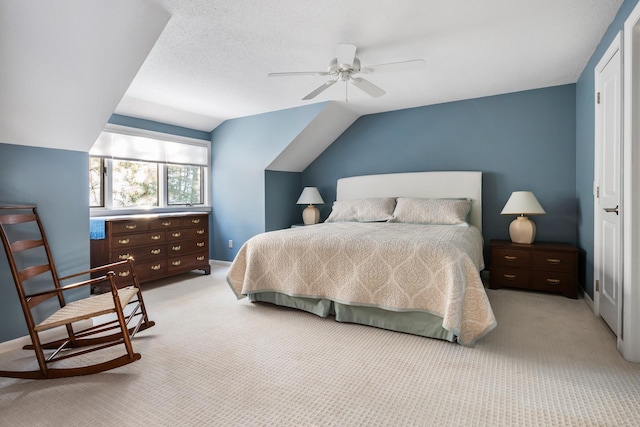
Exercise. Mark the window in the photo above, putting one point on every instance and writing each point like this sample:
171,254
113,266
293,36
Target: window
131,169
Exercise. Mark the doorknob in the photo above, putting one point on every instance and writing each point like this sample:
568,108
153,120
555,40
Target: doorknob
610,210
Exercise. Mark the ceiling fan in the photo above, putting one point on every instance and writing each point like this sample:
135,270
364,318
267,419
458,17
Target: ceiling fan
346,65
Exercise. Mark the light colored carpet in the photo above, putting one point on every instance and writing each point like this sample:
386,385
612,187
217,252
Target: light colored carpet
212,360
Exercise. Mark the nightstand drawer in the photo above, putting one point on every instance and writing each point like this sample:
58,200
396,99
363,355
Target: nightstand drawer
510,257
553,281
554,261
506,276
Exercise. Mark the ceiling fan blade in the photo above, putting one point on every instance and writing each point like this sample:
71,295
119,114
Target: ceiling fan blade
299,73
319,90
345,53
394,66
367,86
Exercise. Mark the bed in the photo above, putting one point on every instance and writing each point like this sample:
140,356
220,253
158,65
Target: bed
399,251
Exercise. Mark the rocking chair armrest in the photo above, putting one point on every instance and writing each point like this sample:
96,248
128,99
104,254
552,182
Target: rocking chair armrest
73,286
97,269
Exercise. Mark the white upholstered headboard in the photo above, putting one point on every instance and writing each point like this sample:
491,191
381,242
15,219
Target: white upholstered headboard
434,185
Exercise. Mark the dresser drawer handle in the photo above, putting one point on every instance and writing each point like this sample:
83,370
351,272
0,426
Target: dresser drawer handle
156,251
553,260
200,244
200,258
510,276
166,223
196,221
510,258
176,248
124,273
131,226
176,263
200,231
177,234
124,256
553,281
155,237
156,267
123,241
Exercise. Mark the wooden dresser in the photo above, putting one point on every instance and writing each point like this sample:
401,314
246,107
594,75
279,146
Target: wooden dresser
162,245
550,267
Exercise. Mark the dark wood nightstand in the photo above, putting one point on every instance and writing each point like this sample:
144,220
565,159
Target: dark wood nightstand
550,267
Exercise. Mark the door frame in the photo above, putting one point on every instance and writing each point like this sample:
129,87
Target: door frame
629,343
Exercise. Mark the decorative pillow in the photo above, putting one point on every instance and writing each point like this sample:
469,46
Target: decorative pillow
362,210
431,211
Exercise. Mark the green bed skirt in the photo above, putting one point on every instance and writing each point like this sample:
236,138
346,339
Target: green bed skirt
410,322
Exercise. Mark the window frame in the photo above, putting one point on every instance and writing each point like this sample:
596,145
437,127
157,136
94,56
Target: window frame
163,206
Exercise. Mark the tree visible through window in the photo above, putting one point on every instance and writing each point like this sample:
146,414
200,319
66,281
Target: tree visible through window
96,166
134,184
184,185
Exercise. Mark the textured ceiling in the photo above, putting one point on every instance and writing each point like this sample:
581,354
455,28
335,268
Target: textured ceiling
211,62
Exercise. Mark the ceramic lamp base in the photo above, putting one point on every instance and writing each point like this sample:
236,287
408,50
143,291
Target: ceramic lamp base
522,230
310,215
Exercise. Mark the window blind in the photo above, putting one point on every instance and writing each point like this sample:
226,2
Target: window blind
133,147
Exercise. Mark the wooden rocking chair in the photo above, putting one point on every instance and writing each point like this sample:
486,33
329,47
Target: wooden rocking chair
22,234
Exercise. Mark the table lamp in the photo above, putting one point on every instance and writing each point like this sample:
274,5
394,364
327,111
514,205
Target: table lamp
521,203
310,196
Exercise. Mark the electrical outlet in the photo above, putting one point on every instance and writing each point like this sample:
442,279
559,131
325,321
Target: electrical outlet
230,244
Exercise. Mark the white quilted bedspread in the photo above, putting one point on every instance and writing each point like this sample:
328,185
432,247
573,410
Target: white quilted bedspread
395,266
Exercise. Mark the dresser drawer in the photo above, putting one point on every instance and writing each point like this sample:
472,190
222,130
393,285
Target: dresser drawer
554,281
187,262
509,276
187,233
554,261
140,253
149,269
510,257
193,221
165,223
129,226
138,239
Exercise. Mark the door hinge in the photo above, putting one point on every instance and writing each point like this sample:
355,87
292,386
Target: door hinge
598,192
598,97
597,285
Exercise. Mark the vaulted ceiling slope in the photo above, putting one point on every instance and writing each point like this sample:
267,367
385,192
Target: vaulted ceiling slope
67,65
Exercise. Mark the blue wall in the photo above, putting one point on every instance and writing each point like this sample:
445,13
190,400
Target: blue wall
520,141
585,142
56,181
242,149
282,190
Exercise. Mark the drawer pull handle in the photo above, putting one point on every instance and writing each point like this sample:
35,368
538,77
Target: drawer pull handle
124,256
200,258
155,237
156,251
124,241
166,223
176,248
176,263
510,276
156,267
510,258
200,244
553,260
177,234
553,281
131,226
196,221
200,231
124,273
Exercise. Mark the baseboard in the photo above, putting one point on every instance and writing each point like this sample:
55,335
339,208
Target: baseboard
587,299
50,335
220,262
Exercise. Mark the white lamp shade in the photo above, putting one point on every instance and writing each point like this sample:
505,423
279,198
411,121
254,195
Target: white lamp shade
522,203
310,196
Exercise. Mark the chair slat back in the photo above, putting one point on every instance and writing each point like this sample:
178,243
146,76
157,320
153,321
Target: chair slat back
14,222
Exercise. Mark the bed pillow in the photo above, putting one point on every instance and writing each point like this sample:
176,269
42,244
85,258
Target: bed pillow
362,210
431,211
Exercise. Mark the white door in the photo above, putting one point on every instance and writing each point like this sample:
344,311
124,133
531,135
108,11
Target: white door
608,200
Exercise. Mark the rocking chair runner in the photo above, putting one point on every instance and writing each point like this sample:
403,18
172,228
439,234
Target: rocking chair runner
22,233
